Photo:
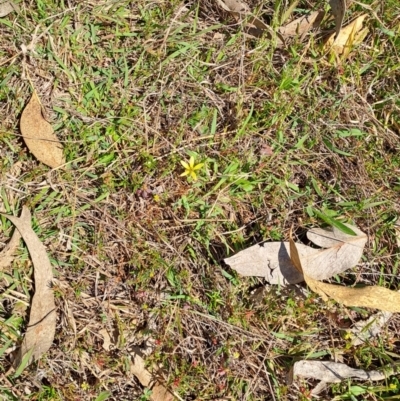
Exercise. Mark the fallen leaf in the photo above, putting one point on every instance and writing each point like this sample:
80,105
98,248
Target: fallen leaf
10,186
7,7
368,297
338,8
7,254
106,339
234,6
42,320
334,372
147,379
39,136
366,330
302,25
364,297
272,259
348,37
254,26
343,251
266,150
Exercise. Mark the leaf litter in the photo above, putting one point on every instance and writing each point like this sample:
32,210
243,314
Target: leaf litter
341,42
372,297
278,262
302,25
40,331
369,297
8,253
272,259
39,135
335,372
351,35
7,7
289,263
148,379
254,26
299,27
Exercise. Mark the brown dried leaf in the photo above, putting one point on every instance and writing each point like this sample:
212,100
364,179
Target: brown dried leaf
7,7
272,260
39,136
343,252
7,254
42,321
266,150
300,26
333,372
147,379
348,37
234,6
338,8
364,297
254,26
367,297
106,339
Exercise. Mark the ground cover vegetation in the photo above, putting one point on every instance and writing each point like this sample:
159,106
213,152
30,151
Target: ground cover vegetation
187,139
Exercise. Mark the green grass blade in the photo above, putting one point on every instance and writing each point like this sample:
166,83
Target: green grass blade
334,223
103,396
24,363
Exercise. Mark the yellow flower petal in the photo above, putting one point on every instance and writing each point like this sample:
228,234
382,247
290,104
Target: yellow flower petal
191,161
185,173
198,166
193,175
184,164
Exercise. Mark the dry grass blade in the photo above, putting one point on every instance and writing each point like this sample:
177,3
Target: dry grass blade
42,320
39,136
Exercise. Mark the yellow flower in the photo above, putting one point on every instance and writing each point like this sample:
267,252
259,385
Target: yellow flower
236,355
190,168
